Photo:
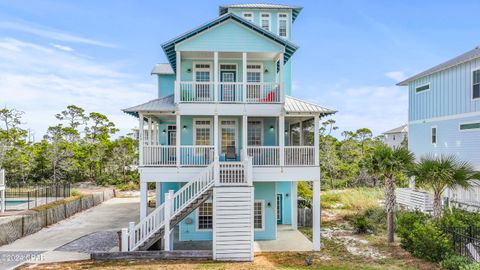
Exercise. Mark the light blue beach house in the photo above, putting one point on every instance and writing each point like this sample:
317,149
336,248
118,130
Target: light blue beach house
444,109
225,142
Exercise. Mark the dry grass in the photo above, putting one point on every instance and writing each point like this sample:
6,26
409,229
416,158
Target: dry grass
352,199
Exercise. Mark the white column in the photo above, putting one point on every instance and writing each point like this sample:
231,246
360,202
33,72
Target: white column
178,72
244,136
178,137
143,199
411,182
215,77
158,194
150,131
294,198
216,150
124,241
244,76
280,79
316,215
316,140
168,212
281,138
140,138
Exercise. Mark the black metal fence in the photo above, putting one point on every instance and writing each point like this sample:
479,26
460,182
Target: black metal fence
27,197
466,242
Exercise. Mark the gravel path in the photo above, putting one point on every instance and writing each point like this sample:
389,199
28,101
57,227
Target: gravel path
95,242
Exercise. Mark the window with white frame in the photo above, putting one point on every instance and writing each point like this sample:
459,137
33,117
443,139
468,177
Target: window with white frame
202,72
258,210
205,216
228,131
202,132
476,84
254,73
283,25
422,88
265,21
248,16
254,134
434,135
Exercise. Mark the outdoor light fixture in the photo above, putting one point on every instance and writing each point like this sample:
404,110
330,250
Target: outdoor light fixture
189,70
266,71
184,127
286,131
164,131
271,127
269,204
286,194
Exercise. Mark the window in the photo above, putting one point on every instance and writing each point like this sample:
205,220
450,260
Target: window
248,16
255,130
476,84
394,137
295,134
265,21
228,131
283,25
434,135
422,88
254,73
307,132
470,126
205,216
202,73
202,129
258,209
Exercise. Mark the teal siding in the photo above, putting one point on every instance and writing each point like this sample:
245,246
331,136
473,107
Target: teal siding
450,93
166,85
229,37
285,188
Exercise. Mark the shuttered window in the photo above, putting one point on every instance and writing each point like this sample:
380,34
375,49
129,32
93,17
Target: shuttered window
476,84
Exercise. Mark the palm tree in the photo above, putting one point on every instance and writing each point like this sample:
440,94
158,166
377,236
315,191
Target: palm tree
385,163
439,173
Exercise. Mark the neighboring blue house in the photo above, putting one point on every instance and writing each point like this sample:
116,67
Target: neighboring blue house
444,109
225,142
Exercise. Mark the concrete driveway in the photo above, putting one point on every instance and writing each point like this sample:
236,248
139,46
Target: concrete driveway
46,244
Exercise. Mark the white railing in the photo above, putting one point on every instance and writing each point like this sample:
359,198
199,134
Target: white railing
264,155
2,178
467,198
237,173
196,91
266,92
299,155
230,92
136,235
196,155
414,199
159,155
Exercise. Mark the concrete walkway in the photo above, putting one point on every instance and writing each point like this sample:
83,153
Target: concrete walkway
288,239
111,215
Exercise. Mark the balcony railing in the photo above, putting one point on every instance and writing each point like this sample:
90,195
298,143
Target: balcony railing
228,92
202,155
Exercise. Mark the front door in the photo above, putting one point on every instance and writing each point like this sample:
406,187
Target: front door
228,87
279,208
228,139
172,141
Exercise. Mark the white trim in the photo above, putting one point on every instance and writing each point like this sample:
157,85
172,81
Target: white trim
262,134
443,118
220,70
250,69
197,221
471,81
194,69
220,132
286,25
468,130
269,19
263,215
252,17
436,135
283,204
194,127
422,85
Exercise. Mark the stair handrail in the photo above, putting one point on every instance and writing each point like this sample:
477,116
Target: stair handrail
138,233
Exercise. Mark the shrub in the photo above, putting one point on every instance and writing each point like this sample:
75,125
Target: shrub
405,224
471,266
369,220
75,192
455,263
458,219
361,224
429,243
128,187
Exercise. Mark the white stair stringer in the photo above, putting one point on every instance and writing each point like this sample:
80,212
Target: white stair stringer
233,223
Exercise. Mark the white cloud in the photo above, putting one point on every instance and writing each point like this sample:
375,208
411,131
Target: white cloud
52,34
42,81
62,47
397,76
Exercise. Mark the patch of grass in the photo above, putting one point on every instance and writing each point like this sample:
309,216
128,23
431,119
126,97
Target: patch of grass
352,199
55,203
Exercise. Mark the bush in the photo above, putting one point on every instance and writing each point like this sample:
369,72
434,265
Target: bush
369,220
128,187
458,219
429,243
405,224
455,263
361,224
75,192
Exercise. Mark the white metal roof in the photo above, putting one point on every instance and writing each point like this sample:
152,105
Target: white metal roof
260,5
470,55
165,104
163,68
298,106
400,129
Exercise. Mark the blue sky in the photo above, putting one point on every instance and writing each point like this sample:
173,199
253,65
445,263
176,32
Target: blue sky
99,54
